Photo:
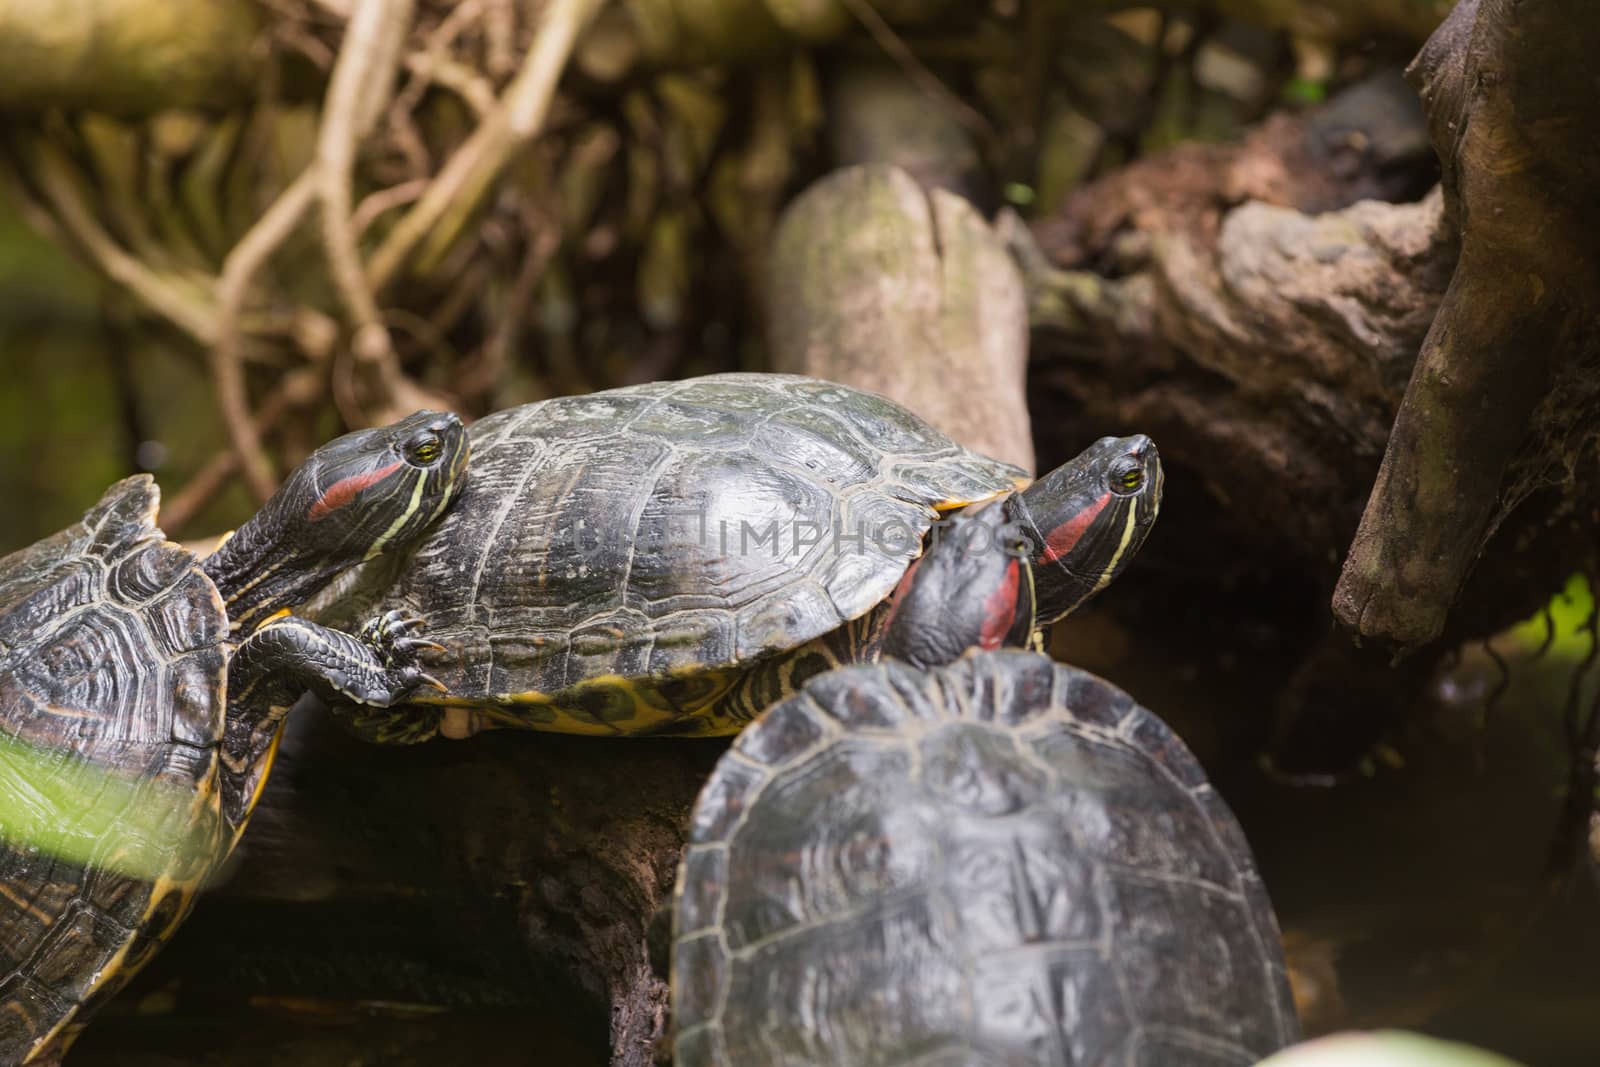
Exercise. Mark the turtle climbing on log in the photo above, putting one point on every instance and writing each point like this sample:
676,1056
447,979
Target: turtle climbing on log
143,692
678,556
995,860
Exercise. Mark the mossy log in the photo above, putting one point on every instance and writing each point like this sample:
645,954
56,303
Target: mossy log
908,292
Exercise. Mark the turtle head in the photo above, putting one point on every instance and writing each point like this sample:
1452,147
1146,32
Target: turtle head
1088,517
356,497
366,492
972,589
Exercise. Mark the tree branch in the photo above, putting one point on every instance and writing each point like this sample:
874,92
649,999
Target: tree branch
441,213
1507,85
239,270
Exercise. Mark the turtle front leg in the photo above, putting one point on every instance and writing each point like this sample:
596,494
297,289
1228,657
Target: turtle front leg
278,663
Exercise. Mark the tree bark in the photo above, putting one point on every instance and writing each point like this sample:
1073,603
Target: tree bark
1509,90
512,876
1252,310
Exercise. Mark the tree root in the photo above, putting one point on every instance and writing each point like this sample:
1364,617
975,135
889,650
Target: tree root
1507,86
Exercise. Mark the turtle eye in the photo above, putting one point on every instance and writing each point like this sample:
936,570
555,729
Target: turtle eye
1127,477
424,449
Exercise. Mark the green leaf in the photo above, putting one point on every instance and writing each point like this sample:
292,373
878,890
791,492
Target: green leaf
55,802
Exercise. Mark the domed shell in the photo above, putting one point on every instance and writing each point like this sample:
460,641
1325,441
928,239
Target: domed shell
666,530
1002,861
111,702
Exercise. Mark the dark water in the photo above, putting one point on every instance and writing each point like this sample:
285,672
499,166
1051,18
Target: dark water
1418,892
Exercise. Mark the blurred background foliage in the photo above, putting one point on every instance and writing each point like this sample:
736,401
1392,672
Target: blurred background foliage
622,244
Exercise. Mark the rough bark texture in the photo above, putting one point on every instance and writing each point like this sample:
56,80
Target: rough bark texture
127,56
1510,93
1249,309
909,293
514,873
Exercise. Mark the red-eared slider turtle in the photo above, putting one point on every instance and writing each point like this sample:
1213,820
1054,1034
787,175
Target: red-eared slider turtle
675,557
132,747
997,861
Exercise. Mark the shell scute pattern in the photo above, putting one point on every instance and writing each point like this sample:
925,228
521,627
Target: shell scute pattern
1000,861
112,651
98,642
848,847
624,538
703,1045
793,729
778,1015
725,799
861,708
1122,820
703,876
980,770
1022,889
819,443
1059,1015
1210,990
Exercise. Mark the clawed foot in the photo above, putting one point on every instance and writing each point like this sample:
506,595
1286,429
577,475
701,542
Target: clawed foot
392,636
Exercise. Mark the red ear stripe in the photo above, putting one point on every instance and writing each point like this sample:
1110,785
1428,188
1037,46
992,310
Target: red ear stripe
1000,608
900,590
344,490
1065,538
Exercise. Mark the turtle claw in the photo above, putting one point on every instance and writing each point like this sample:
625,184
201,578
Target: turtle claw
393,636
424,678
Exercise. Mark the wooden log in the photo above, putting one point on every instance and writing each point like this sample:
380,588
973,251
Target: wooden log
510,877
1256,307
883,285
1509,92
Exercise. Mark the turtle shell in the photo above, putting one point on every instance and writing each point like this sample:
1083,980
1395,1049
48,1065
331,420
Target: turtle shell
617,559
112,666
1003,861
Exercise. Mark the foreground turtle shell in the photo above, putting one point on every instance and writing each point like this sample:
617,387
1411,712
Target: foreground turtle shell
619,561
1001,862
112,675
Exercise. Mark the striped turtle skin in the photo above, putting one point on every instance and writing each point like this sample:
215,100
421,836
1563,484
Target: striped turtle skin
675,557
1002,862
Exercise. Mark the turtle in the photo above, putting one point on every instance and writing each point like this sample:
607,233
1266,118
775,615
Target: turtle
674,557
142,693
996,860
